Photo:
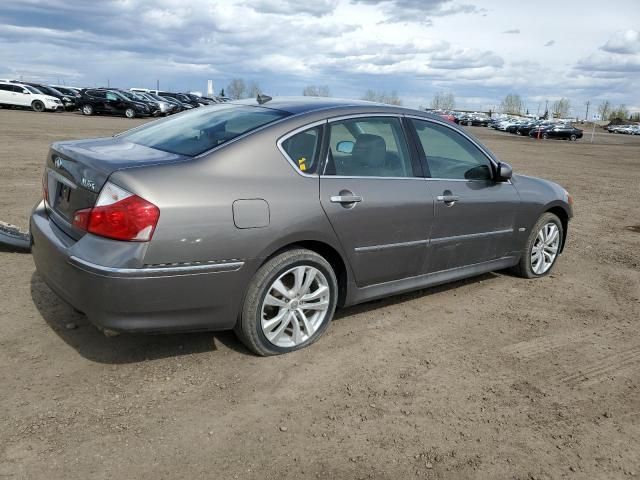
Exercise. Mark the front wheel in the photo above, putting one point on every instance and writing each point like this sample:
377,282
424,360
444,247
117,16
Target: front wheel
289,303
87,110
545,136
542,248
38,106
130,113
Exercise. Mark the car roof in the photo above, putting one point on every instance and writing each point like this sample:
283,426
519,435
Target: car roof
300,105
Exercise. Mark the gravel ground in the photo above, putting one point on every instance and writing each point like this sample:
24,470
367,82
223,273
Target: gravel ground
493,377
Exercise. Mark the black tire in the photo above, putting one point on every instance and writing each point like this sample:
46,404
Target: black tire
573,137
545,136
523,268
469,124
87,109
38,106
518,132
248,328
130,113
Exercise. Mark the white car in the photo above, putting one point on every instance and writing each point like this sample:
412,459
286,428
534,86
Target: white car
16,94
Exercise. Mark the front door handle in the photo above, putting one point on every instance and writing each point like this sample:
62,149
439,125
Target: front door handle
346,199
448,198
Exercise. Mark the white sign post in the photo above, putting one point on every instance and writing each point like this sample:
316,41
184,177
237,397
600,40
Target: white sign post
596,118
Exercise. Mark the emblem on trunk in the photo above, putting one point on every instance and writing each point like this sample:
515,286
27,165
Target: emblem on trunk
90,184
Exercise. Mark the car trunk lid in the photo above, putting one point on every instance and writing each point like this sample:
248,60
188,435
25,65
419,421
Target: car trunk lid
77,170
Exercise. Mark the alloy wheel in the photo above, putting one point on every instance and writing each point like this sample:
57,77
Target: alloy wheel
545,248
295,306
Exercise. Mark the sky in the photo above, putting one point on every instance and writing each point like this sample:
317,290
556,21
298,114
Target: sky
479,50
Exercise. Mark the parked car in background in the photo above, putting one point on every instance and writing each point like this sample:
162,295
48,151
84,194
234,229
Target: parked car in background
68,101
154,107
165,107
97,100
565,132
22,95
182,98
179,105
174,225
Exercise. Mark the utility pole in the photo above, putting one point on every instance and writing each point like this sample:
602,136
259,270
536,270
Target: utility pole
158,85
586,115
108,84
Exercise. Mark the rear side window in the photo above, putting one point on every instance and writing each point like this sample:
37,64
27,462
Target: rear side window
202,129
303,148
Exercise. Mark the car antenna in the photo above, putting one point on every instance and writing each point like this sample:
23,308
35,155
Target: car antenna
262,99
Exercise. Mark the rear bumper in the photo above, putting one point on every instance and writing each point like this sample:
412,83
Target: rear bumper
205,296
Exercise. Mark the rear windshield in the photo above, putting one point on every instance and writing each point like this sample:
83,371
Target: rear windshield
202,129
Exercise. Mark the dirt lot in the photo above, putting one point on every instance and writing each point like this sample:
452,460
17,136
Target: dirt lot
495,377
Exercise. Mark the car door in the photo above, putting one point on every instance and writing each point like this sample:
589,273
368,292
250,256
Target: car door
373,194
474,212
114,104
21,96
6,94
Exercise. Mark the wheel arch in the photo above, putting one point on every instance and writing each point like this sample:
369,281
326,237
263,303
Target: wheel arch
329,253
563,215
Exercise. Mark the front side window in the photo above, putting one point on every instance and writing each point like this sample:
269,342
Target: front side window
303,148
368,147
202,129
450,155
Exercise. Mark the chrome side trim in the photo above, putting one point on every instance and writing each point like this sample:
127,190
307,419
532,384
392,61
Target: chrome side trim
61,178
471,235
371,177
155,271
376,248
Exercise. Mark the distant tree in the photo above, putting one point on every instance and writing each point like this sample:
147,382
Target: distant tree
561,108
316,91
382,97
620,112
512,104
443,101
604,109
237,88
254,89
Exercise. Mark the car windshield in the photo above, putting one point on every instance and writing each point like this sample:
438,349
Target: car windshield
203,129
32,89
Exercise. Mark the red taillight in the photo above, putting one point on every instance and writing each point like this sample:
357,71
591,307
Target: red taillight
120,215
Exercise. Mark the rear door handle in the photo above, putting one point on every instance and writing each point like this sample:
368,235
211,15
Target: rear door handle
346,199
448,198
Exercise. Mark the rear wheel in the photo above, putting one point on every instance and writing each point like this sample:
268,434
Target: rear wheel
289,303
542,248
573,137
130,113
37,105
87,109
545,135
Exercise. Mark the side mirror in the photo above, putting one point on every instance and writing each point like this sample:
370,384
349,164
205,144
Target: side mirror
26,92
505,172
345,146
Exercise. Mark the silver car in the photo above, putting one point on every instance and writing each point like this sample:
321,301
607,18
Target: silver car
266,217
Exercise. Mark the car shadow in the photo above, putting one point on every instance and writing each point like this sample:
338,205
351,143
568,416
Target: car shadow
76,331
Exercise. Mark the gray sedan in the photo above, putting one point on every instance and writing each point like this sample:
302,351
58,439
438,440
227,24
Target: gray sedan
264,217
